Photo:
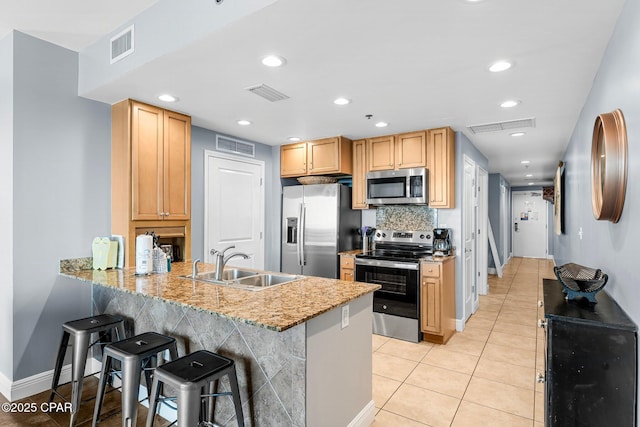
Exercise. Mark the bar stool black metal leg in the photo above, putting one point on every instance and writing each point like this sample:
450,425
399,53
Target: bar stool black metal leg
102,384
130,386
78,360
188,406
235,390
154,395
64,342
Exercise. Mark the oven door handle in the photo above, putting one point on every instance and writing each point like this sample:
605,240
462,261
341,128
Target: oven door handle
389,264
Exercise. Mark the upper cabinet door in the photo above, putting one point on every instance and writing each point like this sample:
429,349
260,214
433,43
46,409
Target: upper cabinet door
177,166
441,165
359,180
323,156
293,160
411,150
381,151
147,145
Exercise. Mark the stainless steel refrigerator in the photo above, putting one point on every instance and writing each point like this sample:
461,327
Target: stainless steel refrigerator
317,223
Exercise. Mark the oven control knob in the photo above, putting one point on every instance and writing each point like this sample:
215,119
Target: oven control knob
384,234
377,234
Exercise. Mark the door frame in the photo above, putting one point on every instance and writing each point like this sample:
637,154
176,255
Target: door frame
482,238
216,154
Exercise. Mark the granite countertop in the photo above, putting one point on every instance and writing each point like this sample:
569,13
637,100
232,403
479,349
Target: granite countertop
278,308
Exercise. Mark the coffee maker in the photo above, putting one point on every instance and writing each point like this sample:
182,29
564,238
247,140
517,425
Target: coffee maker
441,241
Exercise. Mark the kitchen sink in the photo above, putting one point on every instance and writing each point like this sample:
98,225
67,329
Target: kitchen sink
243,279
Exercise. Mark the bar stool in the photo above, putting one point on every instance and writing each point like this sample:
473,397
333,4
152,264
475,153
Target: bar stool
193,377
81,331
136,354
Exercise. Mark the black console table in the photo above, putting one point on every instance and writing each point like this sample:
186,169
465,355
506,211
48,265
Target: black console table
591,361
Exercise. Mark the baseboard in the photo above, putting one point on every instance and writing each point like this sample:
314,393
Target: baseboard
460,325
38,383
492,271
365,417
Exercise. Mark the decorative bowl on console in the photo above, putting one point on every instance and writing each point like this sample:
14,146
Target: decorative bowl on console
578,280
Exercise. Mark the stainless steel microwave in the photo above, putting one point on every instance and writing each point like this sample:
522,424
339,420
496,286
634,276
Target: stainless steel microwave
398,187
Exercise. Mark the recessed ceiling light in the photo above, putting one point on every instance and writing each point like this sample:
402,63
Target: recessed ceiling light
293,139
525,162
529,175
498,66
517,134
510,103
382,124
273,61
165,97
341,101
531,183
244,122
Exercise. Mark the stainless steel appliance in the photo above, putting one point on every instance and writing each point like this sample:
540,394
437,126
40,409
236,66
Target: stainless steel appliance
441,241
317,223
394,264
398,187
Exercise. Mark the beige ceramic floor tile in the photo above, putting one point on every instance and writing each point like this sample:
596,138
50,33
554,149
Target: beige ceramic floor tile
406,349
489,315
383,388
462,344
377,341
539,407
510,355
518,376
409,401
513,341
387,419
476,334
454,361
518,319
441,380
504,397
477,322
516,329
472,415
392,367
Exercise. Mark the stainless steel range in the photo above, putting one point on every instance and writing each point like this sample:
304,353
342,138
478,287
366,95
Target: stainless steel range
394,264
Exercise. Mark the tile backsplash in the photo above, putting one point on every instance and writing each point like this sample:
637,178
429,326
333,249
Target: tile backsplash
406,218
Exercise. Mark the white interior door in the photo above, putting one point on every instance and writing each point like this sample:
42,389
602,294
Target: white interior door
469,241
482,253
234,208
529,224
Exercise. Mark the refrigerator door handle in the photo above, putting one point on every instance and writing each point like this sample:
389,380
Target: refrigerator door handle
299,238
303,226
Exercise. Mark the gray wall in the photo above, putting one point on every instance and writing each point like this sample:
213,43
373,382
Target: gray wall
612,247
452,218
61,195
204,139
6,213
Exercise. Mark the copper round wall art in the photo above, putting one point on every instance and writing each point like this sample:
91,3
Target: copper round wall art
609,166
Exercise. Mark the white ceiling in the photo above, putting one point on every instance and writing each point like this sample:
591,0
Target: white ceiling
415,64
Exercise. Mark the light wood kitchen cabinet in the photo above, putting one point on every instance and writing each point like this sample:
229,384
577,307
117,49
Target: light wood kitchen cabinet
150,174
437,300
328,156
401,151
441,165
359,178
347,268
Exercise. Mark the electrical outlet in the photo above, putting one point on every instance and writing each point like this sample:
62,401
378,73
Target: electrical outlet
345,316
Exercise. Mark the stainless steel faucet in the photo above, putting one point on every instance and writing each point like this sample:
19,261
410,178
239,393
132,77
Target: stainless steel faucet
221,259
194,269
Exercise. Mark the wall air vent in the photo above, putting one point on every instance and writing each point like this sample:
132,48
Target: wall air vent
231,145
122,45
507,125
268,93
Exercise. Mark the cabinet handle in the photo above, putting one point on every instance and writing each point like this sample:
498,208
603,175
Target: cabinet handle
166,213
161,213
540,378
542,323
540,304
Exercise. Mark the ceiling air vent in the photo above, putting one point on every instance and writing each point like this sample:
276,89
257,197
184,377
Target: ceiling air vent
268,93
498,126
231,145
122,45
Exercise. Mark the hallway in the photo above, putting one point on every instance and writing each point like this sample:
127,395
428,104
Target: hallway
484,375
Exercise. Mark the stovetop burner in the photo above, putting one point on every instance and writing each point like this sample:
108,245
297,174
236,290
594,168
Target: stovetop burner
396,245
